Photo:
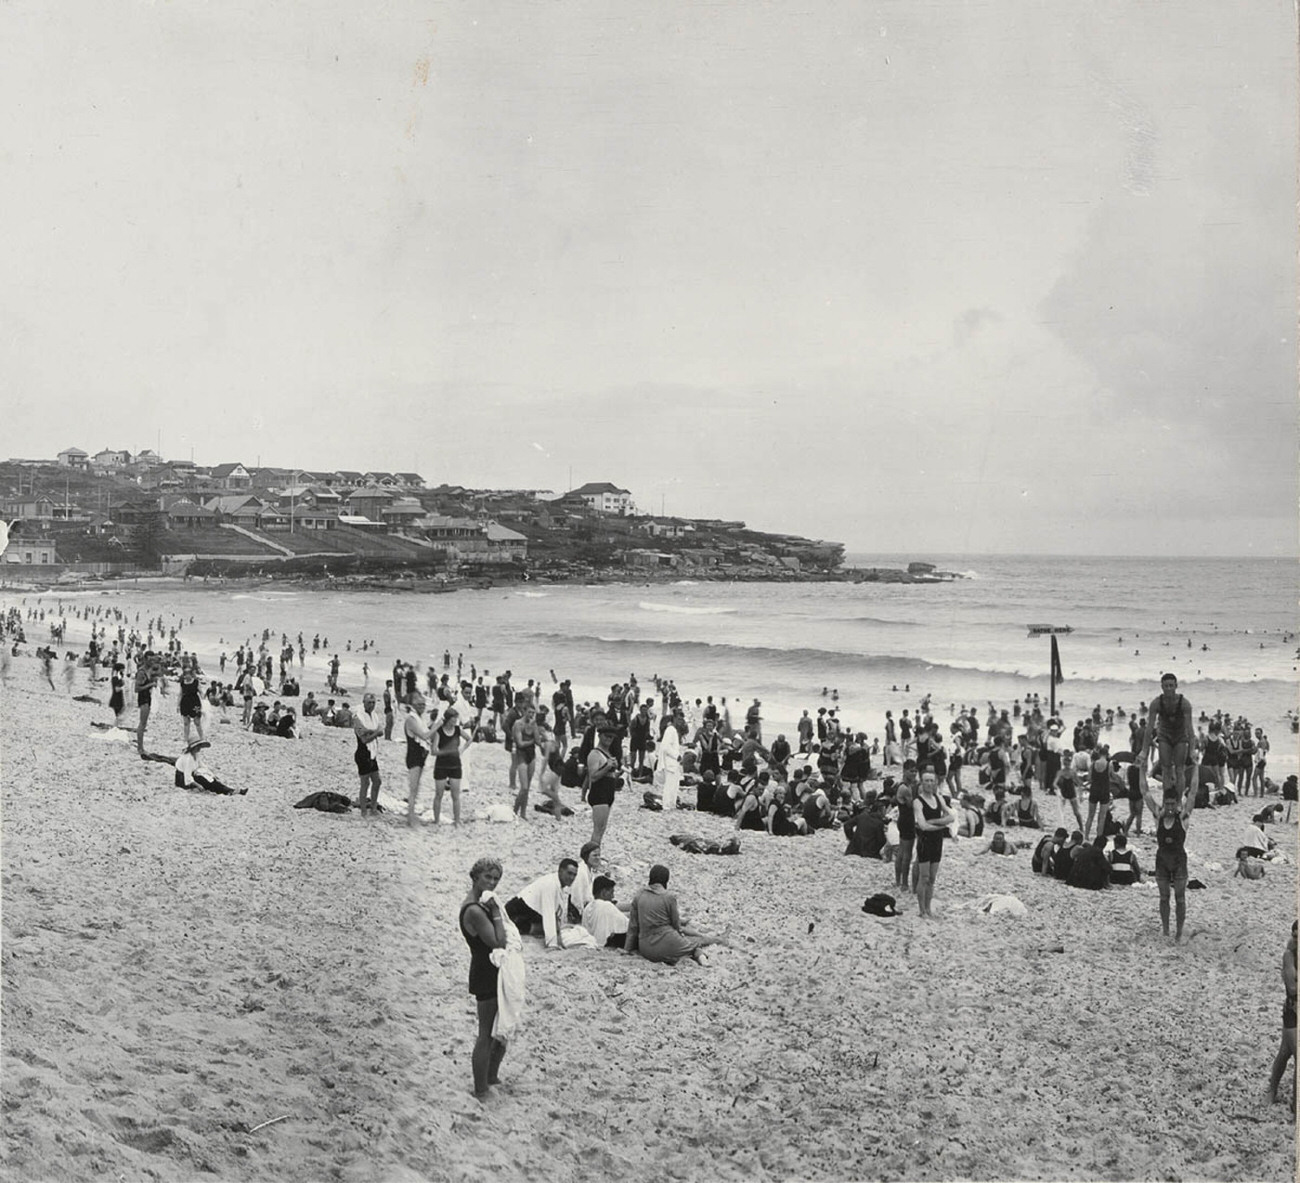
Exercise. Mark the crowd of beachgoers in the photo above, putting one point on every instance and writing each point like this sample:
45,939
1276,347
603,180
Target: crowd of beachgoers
897,790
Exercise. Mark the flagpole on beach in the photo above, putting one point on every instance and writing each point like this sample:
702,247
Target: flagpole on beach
1054,675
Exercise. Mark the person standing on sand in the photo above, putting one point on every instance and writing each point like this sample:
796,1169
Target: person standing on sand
1169,723
932,821
1171,817
449,742
418,742
146,677
369,728
483,925
1287,1050
191,701
603,780
904,797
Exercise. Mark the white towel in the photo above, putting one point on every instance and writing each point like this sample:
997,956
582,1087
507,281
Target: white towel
510,982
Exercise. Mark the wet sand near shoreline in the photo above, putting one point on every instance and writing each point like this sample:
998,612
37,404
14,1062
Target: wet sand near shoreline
178,968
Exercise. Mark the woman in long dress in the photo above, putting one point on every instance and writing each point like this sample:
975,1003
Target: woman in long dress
655,928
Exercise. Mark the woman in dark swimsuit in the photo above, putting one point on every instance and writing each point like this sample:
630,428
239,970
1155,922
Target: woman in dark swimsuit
602,780
482,924
448,742
117,700
1067,785
932,819
525,736
191,704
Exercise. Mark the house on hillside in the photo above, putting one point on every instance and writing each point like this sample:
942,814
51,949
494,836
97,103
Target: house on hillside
369,501
402,513
385,480
74,458
30,552
313,518
345,478
28,509
504,544
409,480
240,509
444,528
651,558
605,498
187,514
667,528
110,460
231,476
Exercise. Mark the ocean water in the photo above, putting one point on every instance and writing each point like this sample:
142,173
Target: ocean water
965,642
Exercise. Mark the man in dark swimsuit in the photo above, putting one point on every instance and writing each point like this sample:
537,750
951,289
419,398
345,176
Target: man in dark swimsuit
1169,723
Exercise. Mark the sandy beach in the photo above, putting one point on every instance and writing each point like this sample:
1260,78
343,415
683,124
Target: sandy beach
180,968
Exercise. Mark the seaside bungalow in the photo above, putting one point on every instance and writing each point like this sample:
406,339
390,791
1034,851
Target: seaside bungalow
345,478
443,528
667,528
147,458
504,544
409,480
34,509
183,512
30,552
231,476
402,513
110,460
309,518
368,502
74,458
239,509
605,498
701,556
651,558
385,480
308,497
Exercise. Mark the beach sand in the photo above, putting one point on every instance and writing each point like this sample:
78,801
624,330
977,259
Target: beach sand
179,968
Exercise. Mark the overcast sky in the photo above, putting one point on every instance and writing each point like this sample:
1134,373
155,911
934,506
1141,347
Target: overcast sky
945,277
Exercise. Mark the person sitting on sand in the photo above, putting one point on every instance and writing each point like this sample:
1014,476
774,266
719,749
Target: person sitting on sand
1063,856
970,815
655,928
286,726
1124,865
192,771
602,917
544,904
1088,867
310,707
751,807
1041,860
1024,812
779,819
865,830
815,808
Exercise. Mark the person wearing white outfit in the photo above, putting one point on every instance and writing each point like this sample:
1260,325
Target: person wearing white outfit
670,763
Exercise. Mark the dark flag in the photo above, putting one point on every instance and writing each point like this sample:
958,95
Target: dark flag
1057,676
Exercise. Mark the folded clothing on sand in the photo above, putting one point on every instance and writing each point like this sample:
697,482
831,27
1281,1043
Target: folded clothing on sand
694,844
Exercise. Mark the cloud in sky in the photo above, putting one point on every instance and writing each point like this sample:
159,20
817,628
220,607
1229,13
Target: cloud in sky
980,276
